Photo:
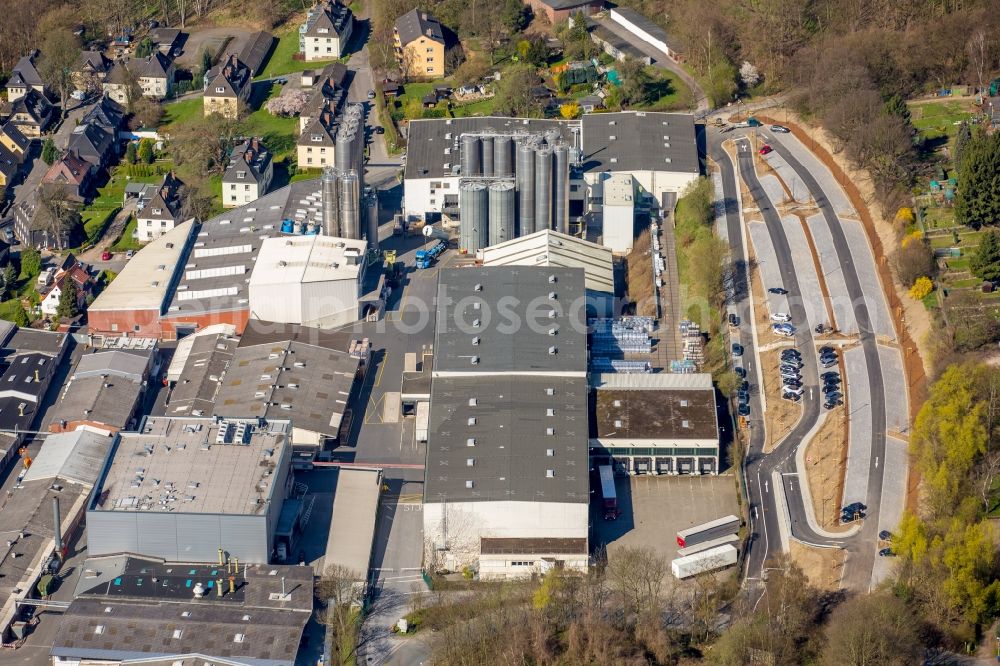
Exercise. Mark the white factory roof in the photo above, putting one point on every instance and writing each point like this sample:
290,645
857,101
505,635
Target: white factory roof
75,456
144,283
552,248
352,526
646,381
619,190
300,259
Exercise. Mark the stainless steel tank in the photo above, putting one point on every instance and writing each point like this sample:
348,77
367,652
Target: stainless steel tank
470,158
371,220
330,202
560,193
487,144
473,203
503,156
543,188
525,183
350,205
343,156
502,204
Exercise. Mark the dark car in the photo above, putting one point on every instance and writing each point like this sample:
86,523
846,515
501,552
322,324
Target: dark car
740,372
885,535
744,386
793,397
832,405
830,375
737,349
826,349
777,290
886,552
794,383
829,364
734,319
829,390
743,398
743,410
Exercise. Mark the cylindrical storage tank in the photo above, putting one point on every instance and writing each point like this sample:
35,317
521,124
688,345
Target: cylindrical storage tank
525,181
470,159
560,205
473,203
503,156
543,188
350,206
371,222
344,151
501,211
487,143
330,202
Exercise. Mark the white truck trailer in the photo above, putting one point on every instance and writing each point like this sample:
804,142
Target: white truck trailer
708,531
423,419
703,562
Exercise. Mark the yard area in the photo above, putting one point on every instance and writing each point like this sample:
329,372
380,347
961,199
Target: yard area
668,91
936,120
282,60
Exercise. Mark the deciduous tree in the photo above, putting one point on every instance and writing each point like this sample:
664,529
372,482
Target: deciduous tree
870,629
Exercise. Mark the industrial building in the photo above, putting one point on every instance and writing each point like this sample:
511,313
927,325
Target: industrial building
655,423
510,177
196,370
199,275
310,280
552,248
618,212
194,614
105,391
188,489
506,483
43,510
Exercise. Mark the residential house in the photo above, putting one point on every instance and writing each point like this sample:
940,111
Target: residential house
248,175
91,69
154,76
315,146
72,173
24,77
162,211
81,279
330,94
258,48
419,45
9,165
34,226
93,143
166,40
106,114
227,87
13,140
326,32
31,113
591,103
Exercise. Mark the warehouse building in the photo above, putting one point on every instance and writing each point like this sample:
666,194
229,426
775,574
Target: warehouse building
188,489
61,475
551,248
655,423
104,392
196,371
195,614
506,487
310,280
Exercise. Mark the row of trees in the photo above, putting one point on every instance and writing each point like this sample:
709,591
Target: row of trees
977,197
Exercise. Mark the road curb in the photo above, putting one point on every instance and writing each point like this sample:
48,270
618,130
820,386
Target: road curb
785,523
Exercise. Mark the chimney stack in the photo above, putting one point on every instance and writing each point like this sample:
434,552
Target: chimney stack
57,527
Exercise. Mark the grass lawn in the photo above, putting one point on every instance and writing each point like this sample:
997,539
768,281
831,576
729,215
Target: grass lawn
183,111
127,241
480,108
95,222
278,133
668,91
414,91
930,301
8,309
938,119
282,62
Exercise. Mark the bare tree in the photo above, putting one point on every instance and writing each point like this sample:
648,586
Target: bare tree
341,590
978,55
637,574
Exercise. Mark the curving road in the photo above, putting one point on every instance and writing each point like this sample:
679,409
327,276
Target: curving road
760,469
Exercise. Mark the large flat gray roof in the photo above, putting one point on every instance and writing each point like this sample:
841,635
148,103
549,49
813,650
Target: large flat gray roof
513,416
515,332
183,459
640,141
198,383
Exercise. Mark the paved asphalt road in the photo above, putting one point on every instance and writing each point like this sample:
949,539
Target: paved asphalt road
759,468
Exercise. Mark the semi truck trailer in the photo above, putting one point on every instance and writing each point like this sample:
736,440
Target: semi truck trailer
708,531
703,562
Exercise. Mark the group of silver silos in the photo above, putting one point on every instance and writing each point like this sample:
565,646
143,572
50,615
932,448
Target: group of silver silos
512,185
343,184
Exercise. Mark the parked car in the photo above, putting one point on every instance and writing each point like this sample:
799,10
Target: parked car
777,290
781,316
797,390
826,349
830,375
886,552
780,129
371,94
130,254
741,372
885,535
830,404
106,256
743,410
765,149
379,129
793,397
737,349
792,382
734,319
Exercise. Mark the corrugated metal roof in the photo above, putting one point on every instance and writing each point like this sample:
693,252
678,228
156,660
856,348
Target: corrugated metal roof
352,527
72,456
552,248
640,141
659,380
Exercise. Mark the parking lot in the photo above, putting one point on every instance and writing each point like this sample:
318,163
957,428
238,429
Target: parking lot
654,508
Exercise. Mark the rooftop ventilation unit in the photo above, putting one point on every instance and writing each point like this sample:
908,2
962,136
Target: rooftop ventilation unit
550,474
478,287
553,296
550,431
472,420
552,350
550,452
552,279
473,402
471,441
550,391
475,340
550,412
469,484
470,462
474,360
618,423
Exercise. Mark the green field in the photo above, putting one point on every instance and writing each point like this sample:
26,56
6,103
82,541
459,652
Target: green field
282,62
182,111
669,91
934,120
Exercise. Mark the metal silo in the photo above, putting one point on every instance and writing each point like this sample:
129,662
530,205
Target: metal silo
501,211
473,203
344,151
525,181
552,136
543,188
487,143
503,156
560,194
330,201
470,159
350,205
371,220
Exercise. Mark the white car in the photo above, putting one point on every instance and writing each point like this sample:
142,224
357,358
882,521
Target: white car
791,389
781,316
